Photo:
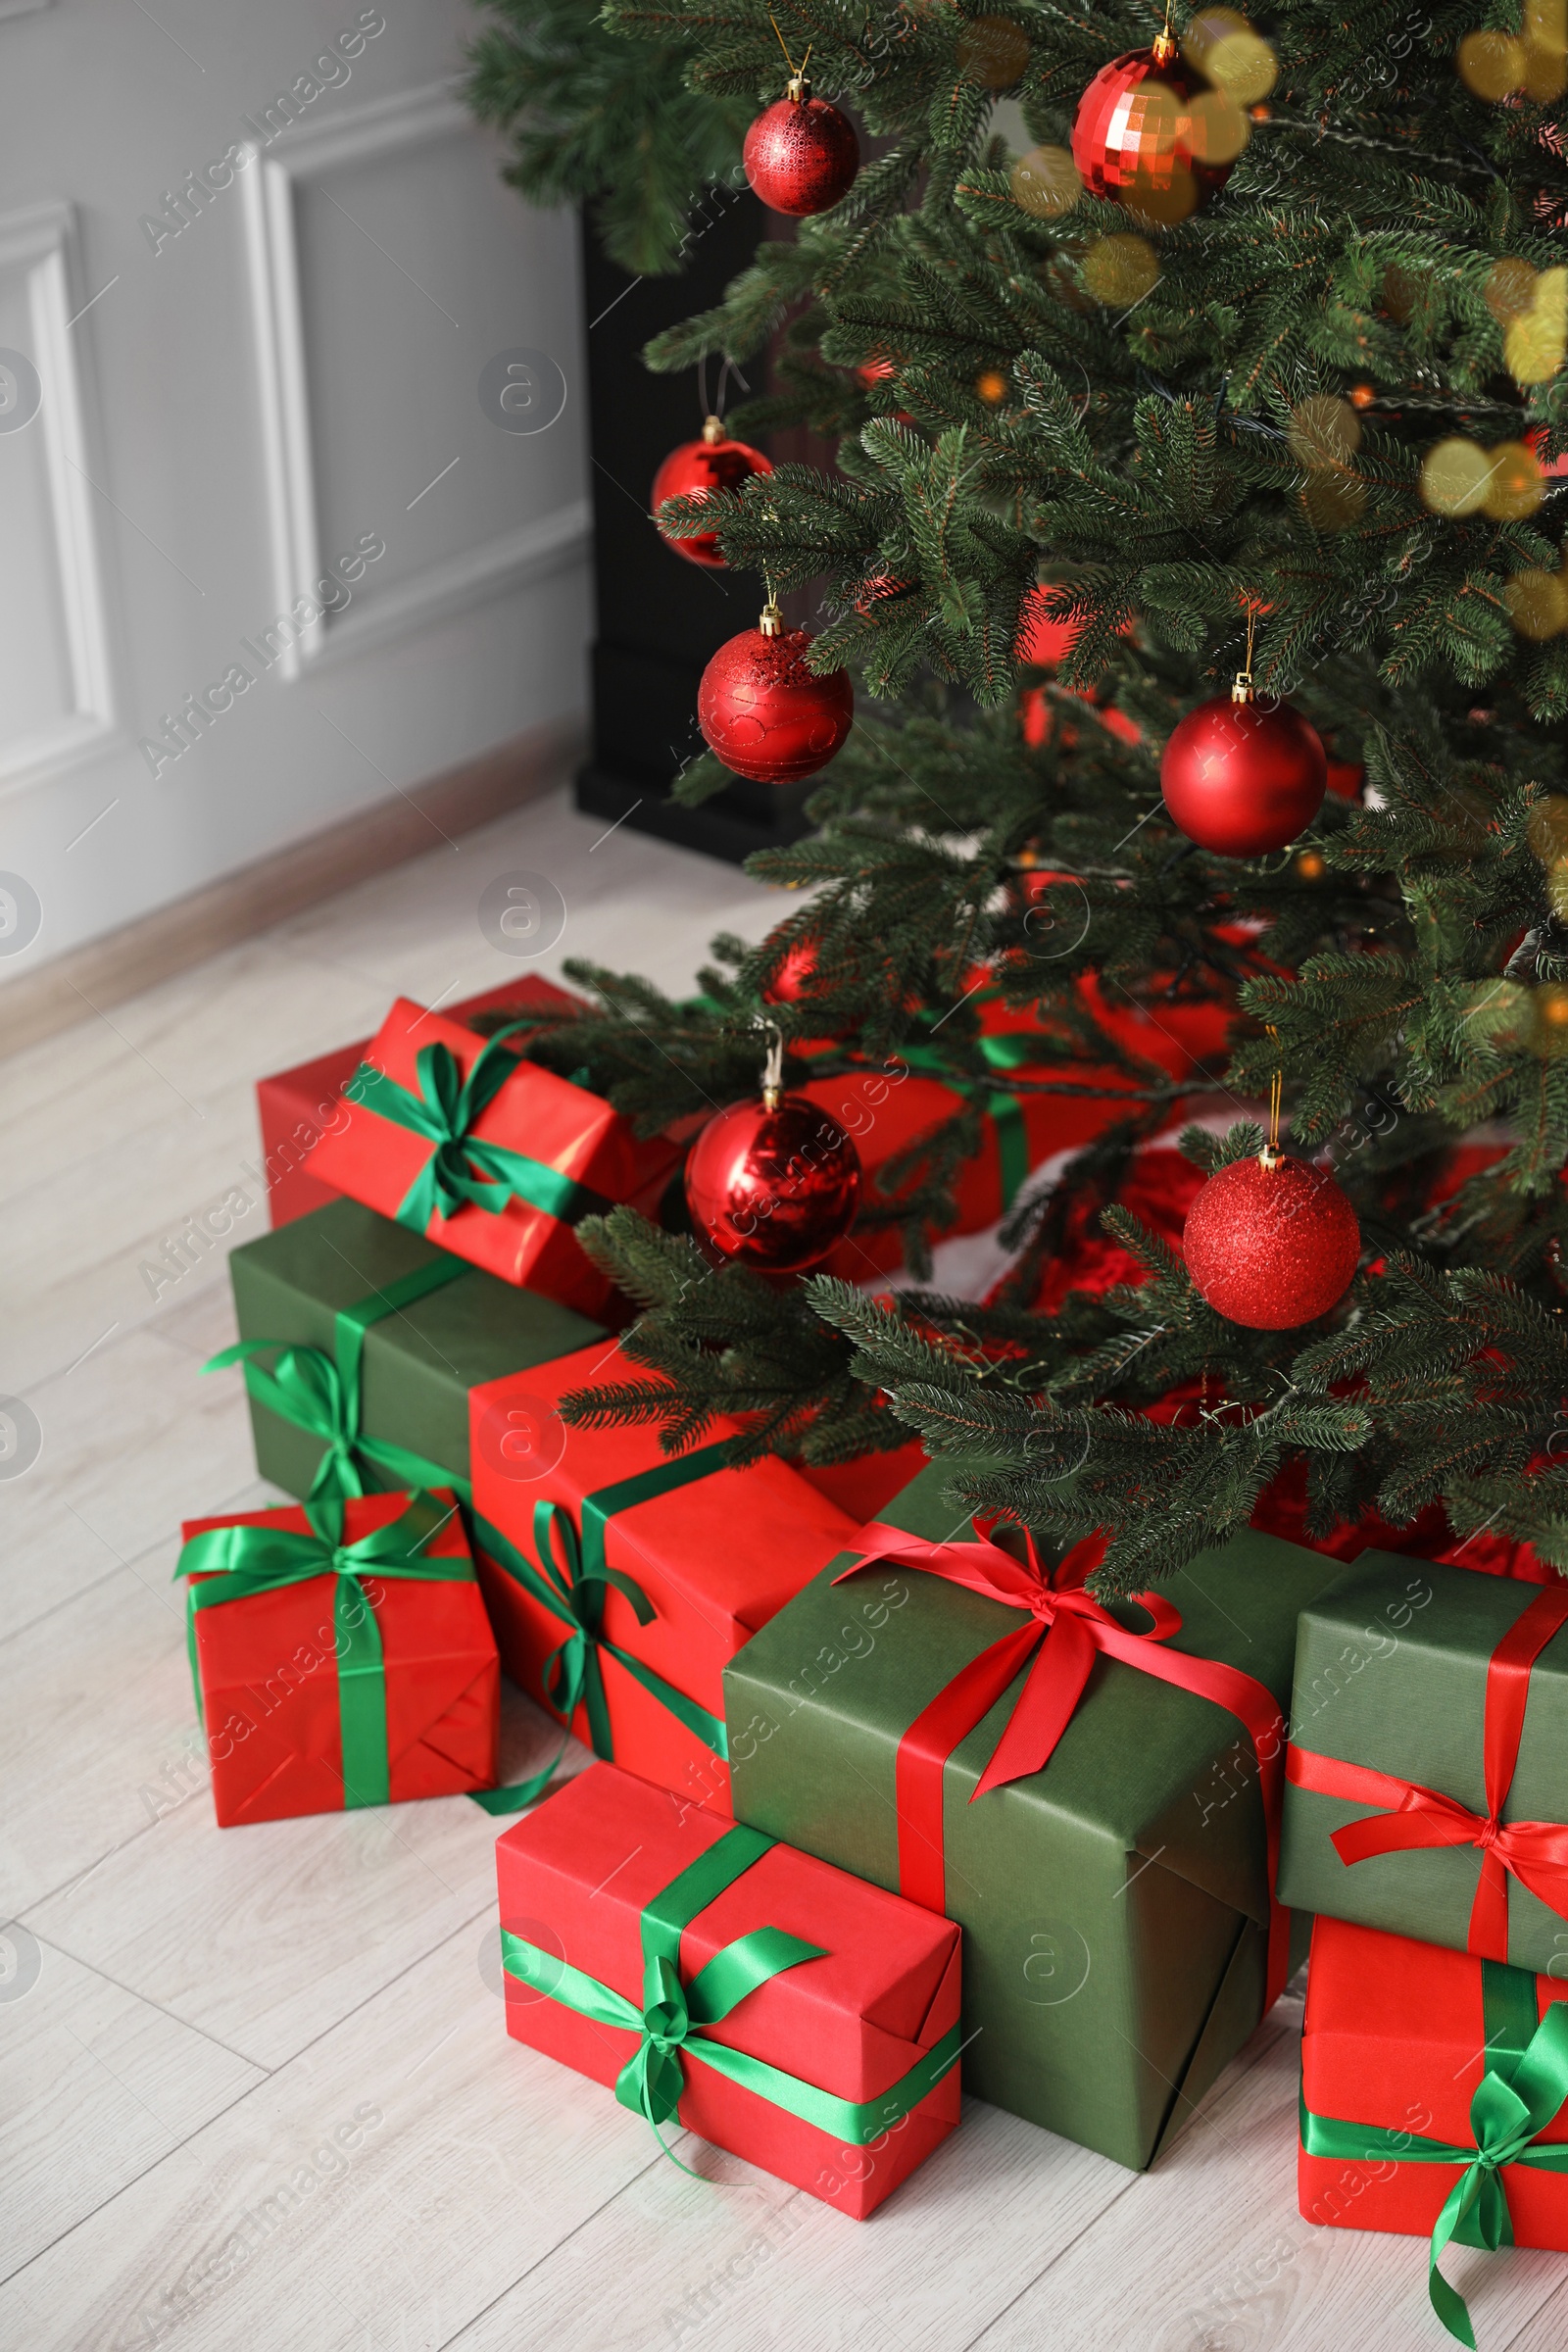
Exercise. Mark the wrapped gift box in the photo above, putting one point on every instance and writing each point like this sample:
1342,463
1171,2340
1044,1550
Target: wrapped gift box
1413,2062
536,1153
295,1105
837,2072
1119,1939
386,1321
373,1680
887,1111
652,1569
1427,1780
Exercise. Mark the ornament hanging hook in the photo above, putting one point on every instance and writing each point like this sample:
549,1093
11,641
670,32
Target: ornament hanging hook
773,1068
1271,1155
772,619
796,82
1241,688
1164,48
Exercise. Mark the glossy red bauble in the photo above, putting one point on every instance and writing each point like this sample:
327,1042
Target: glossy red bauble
696,471
802,155
765,715
773,1188
1271,1242
1143,131
1243,778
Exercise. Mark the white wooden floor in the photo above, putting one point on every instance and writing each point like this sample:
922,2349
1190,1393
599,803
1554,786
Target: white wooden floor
189,2017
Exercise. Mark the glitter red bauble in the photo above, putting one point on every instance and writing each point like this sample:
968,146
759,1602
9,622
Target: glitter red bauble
1137,139
696,471
1271,1246
765,715
773,1189
802,155
1243,778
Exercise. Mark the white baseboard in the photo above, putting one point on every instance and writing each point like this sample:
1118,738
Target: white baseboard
105,971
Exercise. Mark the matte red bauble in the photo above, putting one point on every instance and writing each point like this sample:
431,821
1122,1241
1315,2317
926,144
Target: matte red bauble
696,471
1240,779
1271,1242
764,713
802,155
1145,131
1042,640
775,1183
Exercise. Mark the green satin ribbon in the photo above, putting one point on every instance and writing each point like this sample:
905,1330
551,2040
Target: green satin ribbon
462,1171
674,2020
306,1386
1514,2101
235,1563
1005,1112
307,1389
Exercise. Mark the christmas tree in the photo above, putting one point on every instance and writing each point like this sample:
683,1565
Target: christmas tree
1249,361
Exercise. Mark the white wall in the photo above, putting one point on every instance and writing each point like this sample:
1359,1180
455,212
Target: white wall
281,379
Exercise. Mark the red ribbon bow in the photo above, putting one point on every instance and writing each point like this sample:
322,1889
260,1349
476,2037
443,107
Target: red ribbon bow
1068,1629
1534,1852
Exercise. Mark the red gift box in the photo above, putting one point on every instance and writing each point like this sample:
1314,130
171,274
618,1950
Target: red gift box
1396,2040
268,1669
888,1110
700,1557
295,1105
615,1898
551,1152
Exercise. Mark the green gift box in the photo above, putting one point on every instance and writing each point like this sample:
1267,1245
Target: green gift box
1427,1780
1119,1939
401,1330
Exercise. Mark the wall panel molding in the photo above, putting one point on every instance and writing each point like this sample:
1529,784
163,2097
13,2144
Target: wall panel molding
40,245
272,183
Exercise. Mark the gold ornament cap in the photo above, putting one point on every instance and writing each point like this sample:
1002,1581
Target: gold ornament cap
713,429
798,90
772,620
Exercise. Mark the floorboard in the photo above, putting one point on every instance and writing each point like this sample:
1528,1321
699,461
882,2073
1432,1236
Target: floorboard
256,2092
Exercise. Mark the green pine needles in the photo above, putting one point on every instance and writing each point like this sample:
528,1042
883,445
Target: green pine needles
1328,399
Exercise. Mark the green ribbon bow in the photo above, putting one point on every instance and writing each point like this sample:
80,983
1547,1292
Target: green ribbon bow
235,1563
674,2022
462,1171
573,1585
1514,2101
306,1388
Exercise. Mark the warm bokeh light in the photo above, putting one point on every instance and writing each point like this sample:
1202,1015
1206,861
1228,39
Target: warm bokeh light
1509,292
1311,865
1324,430
1243,65
1454,477
1120,270
1045,182
992,51
1514,488
1549,1006
1548,838
1163,194
1333,502
992,386
1220,129
1537,604
1535,344
1491,64
1361,396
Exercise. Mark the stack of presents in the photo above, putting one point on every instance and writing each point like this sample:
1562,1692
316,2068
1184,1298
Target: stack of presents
881,1800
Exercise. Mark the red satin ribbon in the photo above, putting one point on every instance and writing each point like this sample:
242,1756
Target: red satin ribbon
1069,1629
1534,1852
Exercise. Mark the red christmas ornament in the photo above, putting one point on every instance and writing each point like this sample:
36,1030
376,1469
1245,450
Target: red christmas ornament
773,1185
764,713
1145,131
696,471
1042,639
1271,1242
1239,779
793,974
802,155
